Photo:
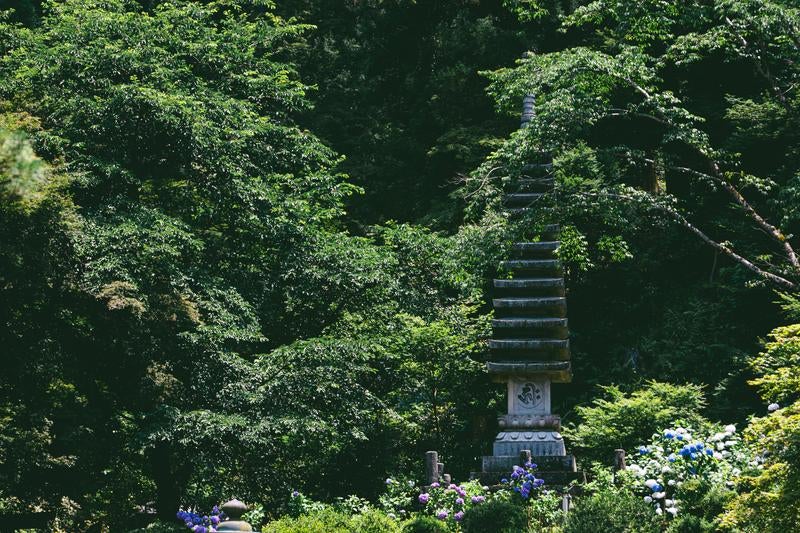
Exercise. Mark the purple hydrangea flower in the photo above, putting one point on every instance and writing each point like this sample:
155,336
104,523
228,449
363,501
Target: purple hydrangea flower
389,481
424,497
295,494
441,515
435,485
458,516
459,501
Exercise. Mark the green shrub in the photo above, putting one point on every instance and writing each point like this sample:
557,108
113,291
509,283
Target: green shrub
495,516
686,523
612,511
332,521
425,524
324,521
621,420
160,527
374,521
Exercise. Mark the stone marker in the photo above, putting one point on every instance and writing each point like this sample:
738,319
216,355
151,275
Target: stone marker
234,510
431,467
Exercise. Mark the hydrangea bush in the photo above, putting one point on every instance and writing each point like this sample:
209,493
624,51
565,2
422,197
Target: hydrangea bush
679,463
201,523
399,497
451,502
523,480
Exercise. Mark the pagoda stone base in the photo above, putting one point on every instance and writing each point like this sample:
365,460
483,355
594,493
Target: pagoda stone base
539,443
557,471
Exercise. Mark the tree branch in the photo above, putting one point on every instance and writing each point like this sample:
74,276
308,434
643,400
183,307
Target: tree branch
777,280
771,230
760,67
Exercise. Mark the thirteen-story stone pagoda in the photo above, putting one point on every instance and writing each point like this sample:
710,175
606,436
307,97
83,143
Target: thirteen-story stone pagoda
529,348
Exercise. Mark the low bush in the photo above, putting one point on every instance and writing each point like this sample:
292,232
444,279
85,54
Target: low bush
496,516
425,524
612,510
332,521
160,527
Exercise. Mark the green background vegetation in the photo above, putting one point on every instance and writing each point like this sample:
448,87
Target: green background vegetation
245,246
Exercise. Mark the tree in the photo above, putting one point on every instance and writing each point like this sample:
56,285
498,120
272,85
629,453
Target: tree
769,500
673,104
132,295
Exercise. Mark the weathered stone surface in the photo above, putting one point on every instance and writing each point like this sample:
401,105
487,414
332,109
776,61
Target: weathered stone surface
535,181
537,345
540,247
528,283
518,327
234,510
527,322
522,198
506,463
530,265
530,302
528,396
527,368
538,442
519,422
554,480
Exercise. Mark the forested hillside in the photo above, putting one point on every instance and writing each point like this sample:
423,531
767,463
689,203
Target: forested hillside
246,249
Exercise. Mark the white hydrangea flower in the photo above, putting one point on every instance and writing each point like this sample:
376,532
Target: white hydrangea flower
672,510
648,499
671,482
730,428
659,495
659,511
773,407
650,483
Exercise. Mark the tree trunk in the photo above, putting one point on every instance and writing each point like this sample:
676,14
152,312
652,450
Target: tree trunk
167,492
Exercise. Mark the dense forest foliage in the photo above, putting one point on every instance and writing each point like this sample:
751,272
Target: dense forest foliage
246,245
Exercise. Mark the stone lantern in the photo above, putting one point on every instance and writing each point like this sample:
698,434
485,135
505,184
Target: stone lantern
234,510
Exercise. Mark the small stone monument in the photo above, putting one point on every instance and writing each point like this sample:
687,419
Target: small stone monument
234,510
